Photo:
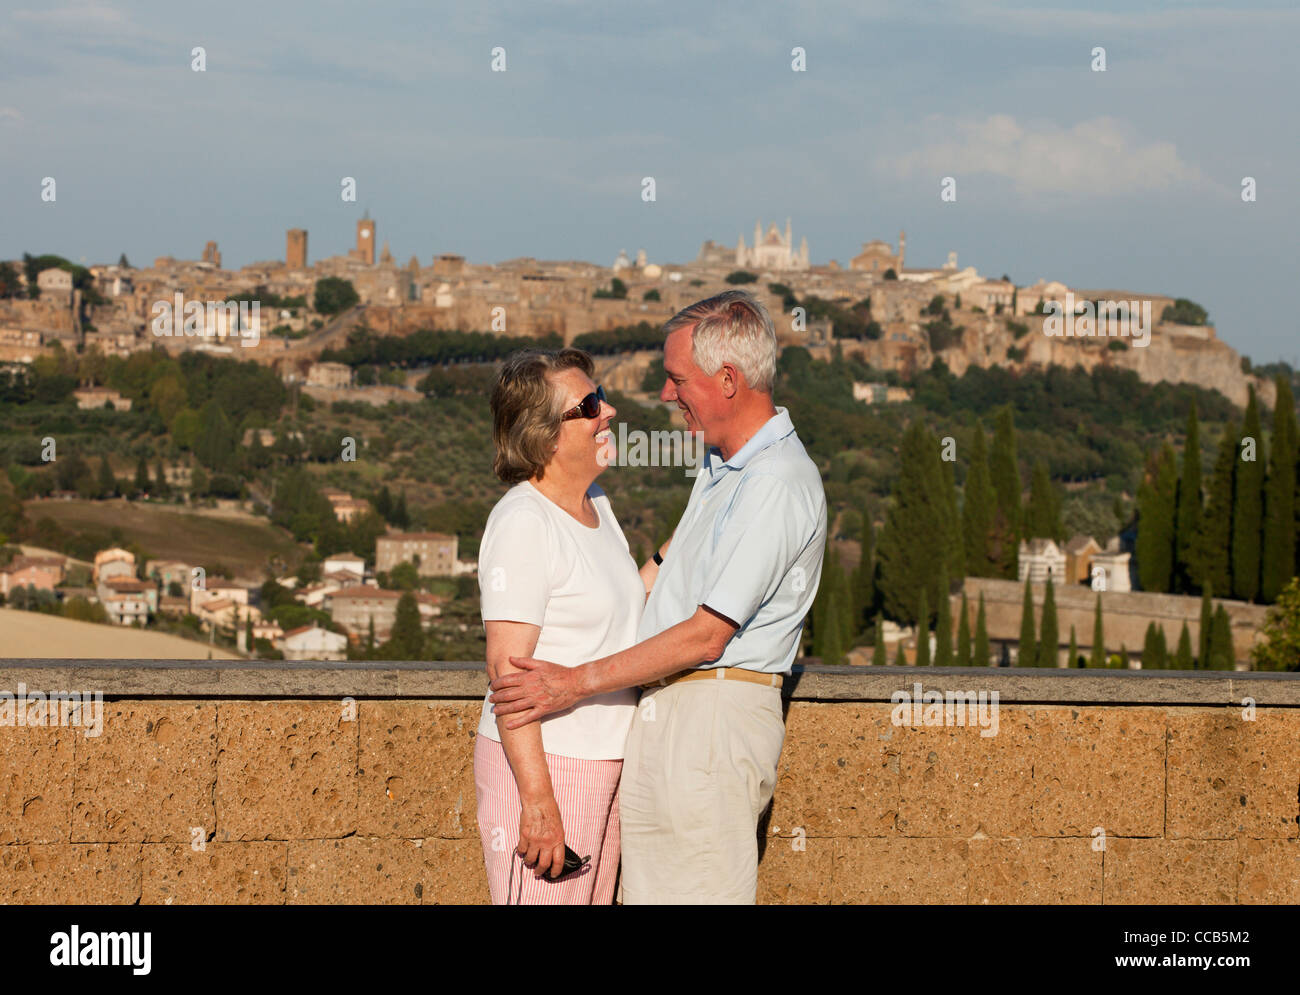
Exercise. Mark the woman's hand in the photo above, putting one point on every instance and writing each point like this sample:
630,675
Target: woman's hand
541,835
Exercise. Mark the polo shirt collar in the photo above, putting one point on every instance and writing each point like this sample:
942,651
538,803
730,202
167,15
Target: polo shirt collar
773,430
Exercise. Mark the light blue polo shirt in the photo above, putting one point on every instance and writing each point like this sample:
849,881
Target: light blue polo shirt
750,547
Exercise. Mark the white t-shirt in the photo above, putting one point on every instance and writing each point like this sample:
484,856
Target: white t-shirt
539,564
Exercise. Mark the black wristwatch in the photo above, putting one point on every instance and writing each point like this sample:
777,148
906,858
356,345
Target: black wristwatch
658,559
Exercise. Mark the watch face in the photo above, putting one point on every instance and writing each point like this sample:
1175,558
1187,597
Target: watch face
365,233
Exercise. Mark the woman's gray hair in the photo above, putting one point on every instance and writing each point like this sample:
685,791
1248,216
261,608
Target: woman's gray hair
731,327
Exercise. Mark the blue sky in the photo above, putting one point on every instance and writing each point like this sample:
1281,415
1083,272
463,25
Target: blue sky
1128,178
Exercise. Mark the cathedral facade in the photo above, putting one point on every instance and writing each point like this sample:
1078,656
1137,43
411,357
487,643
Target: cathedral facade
772,251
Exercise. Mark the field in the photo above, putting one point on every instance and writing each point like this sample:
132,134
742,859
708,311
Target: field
35,636
241,543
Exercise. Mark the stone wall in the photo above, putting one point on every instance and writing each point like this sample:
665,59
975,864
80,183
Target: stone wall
302,796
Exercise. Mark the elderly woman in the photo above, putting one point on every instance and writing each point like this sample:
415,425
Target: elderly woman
557,582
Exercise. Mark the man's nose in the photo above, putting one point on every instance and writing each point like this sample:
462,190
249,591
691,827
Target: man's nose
668,394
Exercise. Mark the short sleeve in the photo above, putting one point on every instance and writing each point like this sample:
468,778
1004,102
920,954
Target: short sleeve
766,528
513,578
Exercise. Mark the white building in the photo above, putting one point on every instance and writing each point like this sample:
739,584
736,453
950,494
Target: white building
772,251
311,642
1041,559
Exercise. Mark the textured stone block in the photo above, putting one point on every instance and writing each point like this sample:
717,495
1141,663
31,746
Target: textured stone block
1098,767
369,870
220,874
1170,872
838,774
149,776
1034,872
1268,872
36,783
70,874
955,782
1232,777
286,770
416,769
897,871
787,876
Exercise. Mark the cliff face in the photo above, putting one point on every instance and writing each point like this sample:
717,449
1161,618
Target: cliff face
1175,353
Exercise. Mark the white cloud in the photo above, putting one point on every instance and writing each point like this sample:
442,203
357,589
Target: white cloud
10,115
1097,157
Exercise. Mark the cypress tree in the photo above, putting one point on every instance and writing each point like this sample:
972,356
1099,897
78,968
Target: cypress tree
1222,656
1049,636
1043,516
1279,498
107,481
900,659
963,634
1207,618
833,645
954,548
142,479
845,613
407,638
1098,656
943,626
918,532
1188,571
160,479
980,657
1183,659
1007,486
1151,649
1155,540
863,588
978,501
923,632
1027,656
1247,509
1162,649
878,659
1214,549
1072,654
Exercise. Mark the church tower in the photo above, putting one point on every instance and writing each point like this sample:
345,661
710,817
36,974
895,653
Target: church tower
902,248
366,240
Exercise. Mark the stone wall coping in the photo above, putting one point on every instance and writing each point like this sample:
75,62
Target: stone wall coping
274,679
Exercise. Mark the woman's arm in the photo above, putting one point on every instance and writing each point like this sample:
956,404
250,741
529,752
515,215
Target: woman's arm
541,830
650,569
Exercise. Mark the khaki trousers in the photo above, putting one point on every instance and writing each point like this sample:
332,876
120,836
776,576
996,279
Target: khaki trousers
699,769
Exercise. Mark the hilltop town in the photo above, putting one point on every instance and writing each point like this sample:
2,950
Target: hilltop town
379,575
981,321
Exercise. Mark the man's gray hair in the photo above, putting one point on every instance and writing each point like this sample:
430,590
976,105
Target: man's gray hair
731,327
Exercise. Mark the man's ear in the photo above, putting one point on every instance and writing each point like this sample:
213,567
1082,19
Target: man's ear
730,380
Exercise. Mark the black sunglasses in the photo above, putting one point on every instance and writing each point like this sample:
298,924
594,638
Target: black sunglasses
588,407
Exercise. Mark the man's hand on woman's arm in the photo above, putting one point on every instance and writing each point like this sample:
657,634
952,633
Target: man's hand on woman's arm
541,829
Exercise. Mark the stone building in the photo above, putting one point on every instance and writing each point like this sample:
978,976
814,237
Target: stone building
433,553
772,251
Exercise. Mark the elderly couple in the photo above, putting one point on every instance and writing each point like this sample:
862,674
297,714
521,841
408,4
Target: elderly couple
571,770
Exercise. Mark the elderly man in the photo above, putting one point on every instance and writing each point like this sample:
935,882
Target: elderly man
720,629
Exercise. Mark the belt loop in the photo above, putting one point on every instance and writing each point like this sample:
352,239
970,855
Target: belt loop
721,672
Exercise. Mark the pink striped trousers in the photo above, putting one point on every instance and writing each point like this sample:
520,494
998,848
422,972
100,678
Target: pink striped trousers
586,792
